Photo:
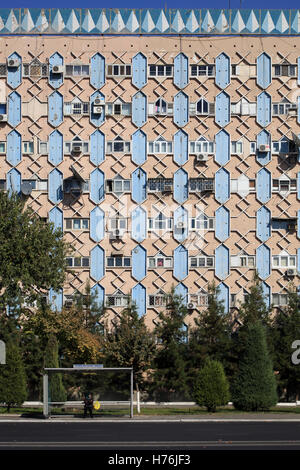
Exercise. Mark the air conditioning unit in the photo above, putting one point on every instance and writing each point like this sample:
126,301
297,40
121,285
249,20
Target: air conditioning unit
58,69
97,109
292,111
290,272
264,148
76,148
116,234
168,188
3,117
191,306
98,101
13,62
180,225
201,157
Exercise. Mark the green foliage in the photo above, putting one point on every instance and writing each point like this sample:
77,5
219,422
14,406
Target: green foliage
32,254
12,377
254,307
56,389
211,387
254,387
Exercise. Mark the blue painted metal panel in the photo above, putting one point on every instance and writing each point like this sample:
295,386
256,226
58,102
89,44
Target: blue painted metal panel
56,299
139,185
298,68
222,262
56,148
98,293
263,138
14,109
13,181
14,148
181,180
298,185
180,269
263,224
139,262
263,70
97,185
263,185
139,224
181,70
55,185
97,71
222,223
222,70
55,79
55,109
298,262
97,147
298,224
263,109
263,261
97,219
14,74
95,118
223,296
139,109
180,215
222,109
222,185
139,70
266,293
182,291
222,147
298,109
181,109
97,263
56,217
138,295
139,147
181,147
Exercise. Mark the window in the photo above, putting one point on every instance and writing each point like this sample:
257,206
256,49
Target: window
37,185
160,261
160,146
35,69
119,70
43,147
3,108
2,185
3,70
27,147
160,222
201,184
76,107
243,107
284,185
285,146
117,223
284,261
284,224
200,299
118,108
283,108
284,70
158,300
77,70
202,146
237,147
280,300
160,70
202,70
76,146
242,261
118,299
160,107
160,184
118,145
76,224
253,147
118,261
78,261
2,147
202,222
201,261
75,186
118,186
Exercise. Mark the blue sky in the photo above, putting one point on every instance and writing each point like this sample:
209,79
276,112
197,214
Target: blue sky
153,4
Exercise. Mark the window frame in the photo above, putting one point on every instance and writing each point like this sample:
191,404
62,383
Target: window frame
110,68
203,221
122,265
204,69
159,67
164,259
160,185
200,185
81,219
113,182
280,265
82,258
67,66
205,258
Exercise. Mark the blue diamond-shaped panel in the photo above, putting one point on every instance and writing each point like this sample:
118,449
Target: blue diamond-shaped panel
148,21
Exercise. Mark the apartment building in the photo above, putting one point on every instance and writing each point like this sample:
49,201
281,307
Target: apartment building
163,142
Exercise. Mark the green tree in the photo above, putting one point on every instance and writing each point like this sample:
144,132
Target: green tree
12,377
129,343
211,387
57,391
32,254
170,378
254,387
285,330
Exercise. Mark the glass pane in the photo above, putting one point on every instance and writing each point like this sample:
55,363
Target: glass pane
122,223
126,185
110,261
85,223
85,261
69,223
69,261
2,147
284,261
151,262
118,186
127,262
118,261
152,70
275,261
76,223
77,261
292,261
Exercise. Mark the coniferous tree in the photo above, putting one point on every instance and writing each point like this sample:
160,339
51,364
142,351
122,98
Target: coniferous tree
211,388
13,390
57,391
254,387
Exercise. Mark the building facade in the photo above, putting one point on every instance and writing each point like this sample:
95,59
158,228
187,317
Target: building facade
163,143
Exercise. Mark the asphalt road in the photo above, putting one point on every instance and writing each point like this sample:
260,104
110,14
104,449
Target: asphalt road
175,436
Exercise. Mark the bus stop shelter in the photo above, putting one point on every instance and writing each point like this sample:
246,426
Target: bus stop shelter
81,368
